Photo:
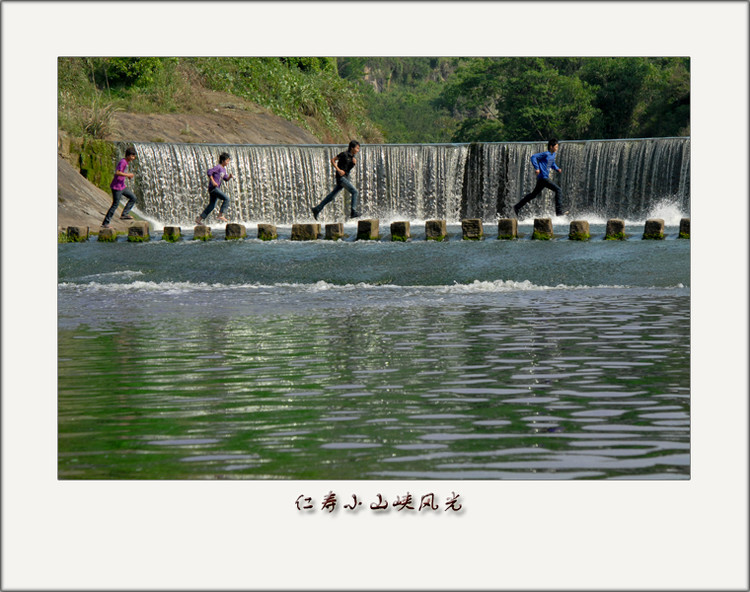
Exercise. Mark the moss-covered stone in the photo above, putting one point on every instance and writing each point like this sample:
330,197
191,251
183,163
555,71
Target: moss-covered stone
235,232
542,229
202,232
472,229
615,229
654,229
267,232
685,228
368,229
107,235
305,232
507,228
435,230
77,234
579,230
400,231
334,231
172,234
138,232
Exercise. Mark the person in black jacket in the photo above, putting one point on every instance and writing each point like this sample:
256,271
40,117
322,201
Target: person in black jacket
343,163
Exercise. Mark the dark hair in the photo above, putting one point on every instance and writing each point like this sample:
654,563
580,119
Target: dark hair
352,144
552,142
224,156
130,151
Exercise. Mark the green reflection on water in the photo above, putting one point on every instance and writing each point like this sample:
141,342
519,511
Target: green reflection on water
470,392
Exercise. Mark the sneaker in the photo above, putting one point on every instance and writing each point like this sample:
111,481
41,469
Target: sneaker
127,217
315,213
355,214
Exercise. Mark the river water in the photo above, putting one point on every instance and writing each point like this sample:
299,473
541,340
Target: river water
375,360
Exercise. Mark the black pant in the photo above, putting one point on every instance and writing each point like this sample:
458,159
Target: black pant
116,196
542,184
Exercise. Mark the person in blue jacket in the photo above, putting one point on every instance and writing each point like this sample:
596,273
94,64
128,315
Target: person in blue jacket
542,163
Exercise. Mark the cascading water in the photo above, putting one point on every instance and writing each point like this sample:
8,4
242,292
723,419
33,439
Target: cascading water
279,184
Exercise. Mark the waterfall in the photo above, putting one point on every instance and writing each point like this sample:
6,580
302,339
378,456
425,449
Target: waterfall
279,184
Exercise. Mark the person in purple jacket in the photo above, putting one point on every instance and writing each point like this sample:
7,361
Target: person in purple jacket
542,163
216,175
118,189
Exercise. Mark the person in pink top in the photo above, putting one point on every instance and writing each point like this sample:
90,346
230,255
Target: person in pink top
119,189
216,175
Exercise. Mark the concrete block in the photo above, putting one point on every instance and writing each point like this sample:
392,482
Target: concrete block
138,232
368,230
267,232
305,232
579,230
542,229
685,228
77,234
234,231
202,232
654,229
400,231
435,230
335,231
615,229
107,235
507,228
472,229
171,234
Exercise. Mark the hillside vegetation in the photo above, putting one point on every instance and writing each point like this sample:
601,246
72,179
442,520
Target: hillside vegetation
305,91
493,99
390,99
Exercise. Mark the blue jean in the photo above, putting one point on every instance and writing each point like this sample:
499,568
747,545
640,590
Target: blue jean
213,195
341,183
541,184
116,197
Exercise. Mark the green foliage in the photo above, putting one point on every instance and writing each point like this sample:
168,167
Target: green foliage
310,64
396,99
305,90
298,89
517,99
400,96
523,99
134,71
96,161
583,98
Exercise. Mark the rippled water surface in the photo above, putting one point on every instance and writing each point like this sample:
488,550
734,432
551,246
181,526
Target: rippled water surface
377,360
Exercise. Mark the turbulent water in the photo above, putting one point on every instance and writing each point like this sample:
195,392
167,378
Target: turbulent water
375,360
279,184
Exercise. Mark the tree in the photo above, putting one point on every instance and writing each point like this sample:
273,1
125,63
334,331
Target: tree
518,99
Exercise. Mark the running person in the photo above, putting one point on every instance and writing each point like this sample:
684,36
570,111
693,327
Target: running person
343,163
216,175
542,163
119,189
